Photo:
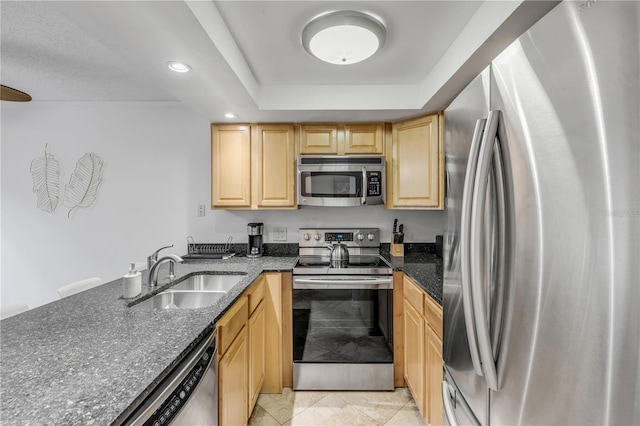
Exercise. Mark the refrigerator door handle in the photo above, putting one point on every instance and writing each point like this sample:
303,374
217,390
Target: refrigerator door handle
476,247
502,184
449,409
465,247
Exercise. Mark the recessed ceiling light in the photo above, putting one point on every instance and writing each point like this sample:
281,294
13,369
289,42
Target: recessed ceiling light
344,37
230,115
178,66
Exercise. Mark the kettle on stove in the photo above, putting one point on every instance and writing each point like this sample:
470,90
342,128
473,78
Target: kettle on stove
339,257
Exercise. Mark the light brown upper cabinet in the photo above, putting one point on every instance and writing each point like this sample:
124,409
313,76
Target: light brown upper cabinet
230,166
274,158
415,164
342,139
253,166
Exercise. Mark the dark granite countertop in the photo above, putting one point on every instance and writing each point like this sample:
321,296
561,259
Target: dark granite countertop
423,268
89,359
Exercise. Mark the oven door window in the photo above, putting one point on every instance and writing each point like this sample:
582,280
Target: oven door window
342,326
331,184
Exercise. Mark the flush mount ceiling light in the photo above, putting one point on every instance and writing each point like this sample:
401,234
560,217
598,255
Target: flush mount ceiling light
178,66
344,37
230,115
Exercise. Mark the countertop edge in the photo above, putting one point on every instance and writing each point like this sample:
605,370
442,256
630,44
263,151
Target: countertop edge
425,269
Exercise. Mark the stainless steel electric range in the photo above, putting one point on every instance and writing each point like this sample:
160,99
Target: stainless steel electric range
342,316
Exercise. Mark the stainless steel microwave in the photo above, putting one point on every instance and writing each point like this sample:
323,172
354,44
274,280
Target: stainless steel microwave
341,180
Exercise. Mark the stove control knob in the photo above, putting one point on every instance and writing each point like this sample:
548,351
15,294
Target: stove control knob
360,237
317,237
370,237
306,237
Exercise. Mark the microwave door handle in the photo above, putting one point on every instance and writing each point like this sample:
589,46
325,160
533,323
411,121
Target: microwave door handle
364,185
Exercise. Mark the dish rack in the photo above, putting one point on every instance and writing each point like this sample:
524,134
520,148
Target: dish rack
208,249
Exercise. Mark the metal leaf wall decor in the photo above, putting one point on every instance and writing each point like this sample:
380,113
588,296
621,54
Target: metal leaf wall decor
83,186
45,172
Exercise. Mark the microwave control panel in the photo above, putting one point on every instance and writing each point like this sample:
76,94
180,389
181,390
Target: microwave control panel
374,184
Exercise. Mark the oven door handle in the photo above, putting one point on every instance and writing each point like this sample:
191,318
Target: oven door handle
346,284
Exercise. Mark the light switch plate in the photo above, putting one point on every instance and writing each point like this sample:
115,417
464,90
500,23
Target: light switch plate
201,210
279,233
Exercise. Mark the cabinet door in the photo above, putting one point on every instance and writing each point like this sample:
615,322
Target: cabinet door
233,383
230,166
274,161
318,139
434,377
414,359
363,139
417,164
256,354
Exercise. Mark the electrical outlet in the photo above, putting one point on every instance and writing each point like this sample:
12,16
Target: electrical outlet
279,233
201,210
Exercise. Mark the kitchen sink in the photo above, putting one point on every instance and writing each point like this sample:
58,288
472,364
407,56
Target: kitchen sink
210,282
176,299
197,291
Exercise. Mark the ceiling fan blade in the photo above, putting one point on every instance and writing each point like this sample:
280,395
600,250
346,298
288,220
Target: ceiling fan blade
10,94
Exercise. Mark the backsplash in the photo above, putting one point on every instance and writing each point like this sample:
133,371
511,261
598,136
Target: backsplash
291,249
411,248
218,225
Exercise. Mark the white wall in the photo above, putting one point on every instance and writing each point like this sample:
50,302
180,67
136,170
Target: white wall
420,226
148,152
157,171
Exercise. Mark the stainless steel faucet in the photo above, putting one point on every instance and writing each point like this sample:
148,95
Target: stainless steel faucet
151,260
153,272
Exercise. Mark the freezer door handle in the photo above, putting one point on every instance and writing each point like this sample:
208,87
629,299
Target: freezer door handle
465,247
447,399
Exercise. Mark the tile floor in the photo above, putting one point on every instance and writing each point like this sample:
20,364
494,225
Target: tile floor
312,408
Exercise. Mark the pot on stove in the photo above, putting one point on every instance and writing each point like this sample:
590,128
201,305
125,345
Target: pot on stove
339,257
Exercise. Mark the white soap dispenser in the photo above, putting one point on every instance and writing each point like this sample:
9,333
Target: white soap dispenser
132,283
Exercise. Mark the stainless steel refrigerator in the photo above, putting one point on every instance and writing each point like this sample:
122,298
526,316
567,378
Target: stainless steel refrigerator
542,238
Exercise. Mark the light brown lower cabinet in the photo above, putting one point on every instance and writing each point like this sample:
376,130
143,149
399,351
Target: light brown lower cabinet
422,341
414,356
434,377
233,382
244,358
256,354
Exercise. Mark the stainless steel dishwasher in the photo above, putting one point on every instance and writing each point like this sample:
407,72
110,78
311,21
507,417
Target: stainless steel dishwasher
188,395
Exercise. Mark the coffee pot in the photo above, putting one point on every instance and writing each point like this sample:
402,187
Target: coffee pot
254,247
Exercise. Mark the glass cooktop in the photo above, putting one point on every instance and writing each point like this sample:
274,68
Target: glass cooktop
358,264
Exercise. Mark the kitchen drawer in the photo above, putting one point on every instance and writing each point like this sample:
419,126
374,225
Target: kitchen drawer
231,324
256,294
414,295
433,315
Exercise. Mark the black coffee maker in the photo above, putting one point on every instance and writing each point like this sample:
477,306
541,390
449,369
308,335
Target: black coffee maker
254,248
